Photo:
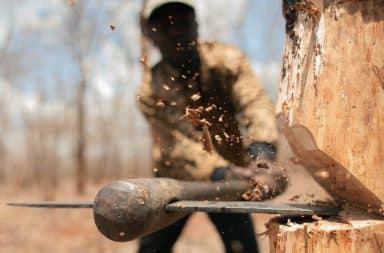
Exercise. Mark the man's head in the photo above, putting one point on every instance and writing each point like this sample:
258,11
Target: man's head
172,27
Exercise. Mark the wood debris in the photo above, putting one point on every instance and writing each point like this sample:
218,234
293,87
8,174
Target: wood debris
196,97
268,181
160,103
218,139
194,117
253,194
210,108
315,217
206,139
166,87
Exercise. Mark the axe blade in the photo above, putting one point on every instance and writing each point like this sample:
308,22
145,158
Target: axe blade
210,206
253,207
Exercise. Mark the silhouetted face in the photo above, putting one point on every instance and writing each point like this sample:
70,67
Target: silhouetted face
173,29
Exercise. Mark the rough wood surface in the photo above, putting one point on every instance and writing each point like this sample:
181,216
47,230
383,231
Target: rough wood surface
333,85
356,234
331,111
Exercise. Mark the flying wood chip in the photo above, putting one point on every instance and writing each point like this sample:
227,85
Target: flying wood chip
166,87
193,116
206,139
196,97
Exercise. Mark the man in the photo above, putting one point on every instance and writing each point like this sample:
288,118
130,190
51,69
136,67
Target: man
208,114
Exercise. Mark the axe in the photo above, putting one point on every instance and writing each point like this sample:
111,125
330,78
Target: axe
129,209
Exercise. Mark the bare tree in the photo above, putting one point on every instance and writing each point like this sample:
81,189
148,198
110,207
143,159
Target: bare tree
5,62
42,133
82,36
3,127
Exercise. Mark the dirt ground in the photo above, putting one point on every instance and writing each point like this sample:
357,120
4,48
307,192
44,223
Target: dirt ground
72,231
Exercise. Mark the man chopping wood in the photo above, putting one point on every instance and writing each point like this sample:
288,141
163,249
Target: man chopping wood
209,119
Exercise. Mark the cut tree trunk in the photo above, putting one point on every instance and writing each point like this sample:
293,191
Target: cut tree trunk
330,107
362,234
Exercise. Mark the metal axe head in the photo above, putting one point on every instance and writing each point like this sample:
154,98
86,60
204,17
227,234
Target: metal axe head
330,174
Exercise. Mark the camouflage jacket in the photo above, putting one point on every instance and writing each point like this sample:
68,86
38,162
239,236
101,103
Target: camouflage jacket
230,102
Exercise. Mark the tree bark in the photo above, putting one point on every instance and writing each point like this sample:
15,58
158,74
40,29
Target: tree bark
333,85
330,107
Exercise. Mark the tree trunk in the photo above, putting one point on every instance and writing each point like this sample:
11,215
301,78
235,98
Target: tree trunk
80,149
331,109
333,82
2,159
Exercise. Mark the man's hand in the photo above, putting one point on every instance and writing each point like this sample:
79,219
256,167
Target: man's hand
267,179
237,172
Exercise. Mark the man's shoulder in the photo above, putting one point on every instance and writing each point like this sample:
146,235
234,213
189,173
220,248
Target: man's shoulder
220,54
220,49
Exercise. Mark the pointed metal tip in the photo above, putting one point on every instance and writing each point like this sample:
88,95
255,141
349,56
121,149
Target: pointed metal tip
52,204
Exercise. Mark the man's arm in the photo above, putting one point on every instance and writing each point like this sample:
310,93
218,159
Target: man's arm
253,106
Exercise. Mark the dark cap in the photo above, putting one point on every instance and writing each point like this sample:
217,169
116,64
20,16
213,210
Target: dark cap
152,5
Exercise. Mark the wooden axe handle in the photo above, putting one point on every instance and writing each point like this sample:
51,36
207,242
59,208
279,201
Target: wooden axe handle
127,210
